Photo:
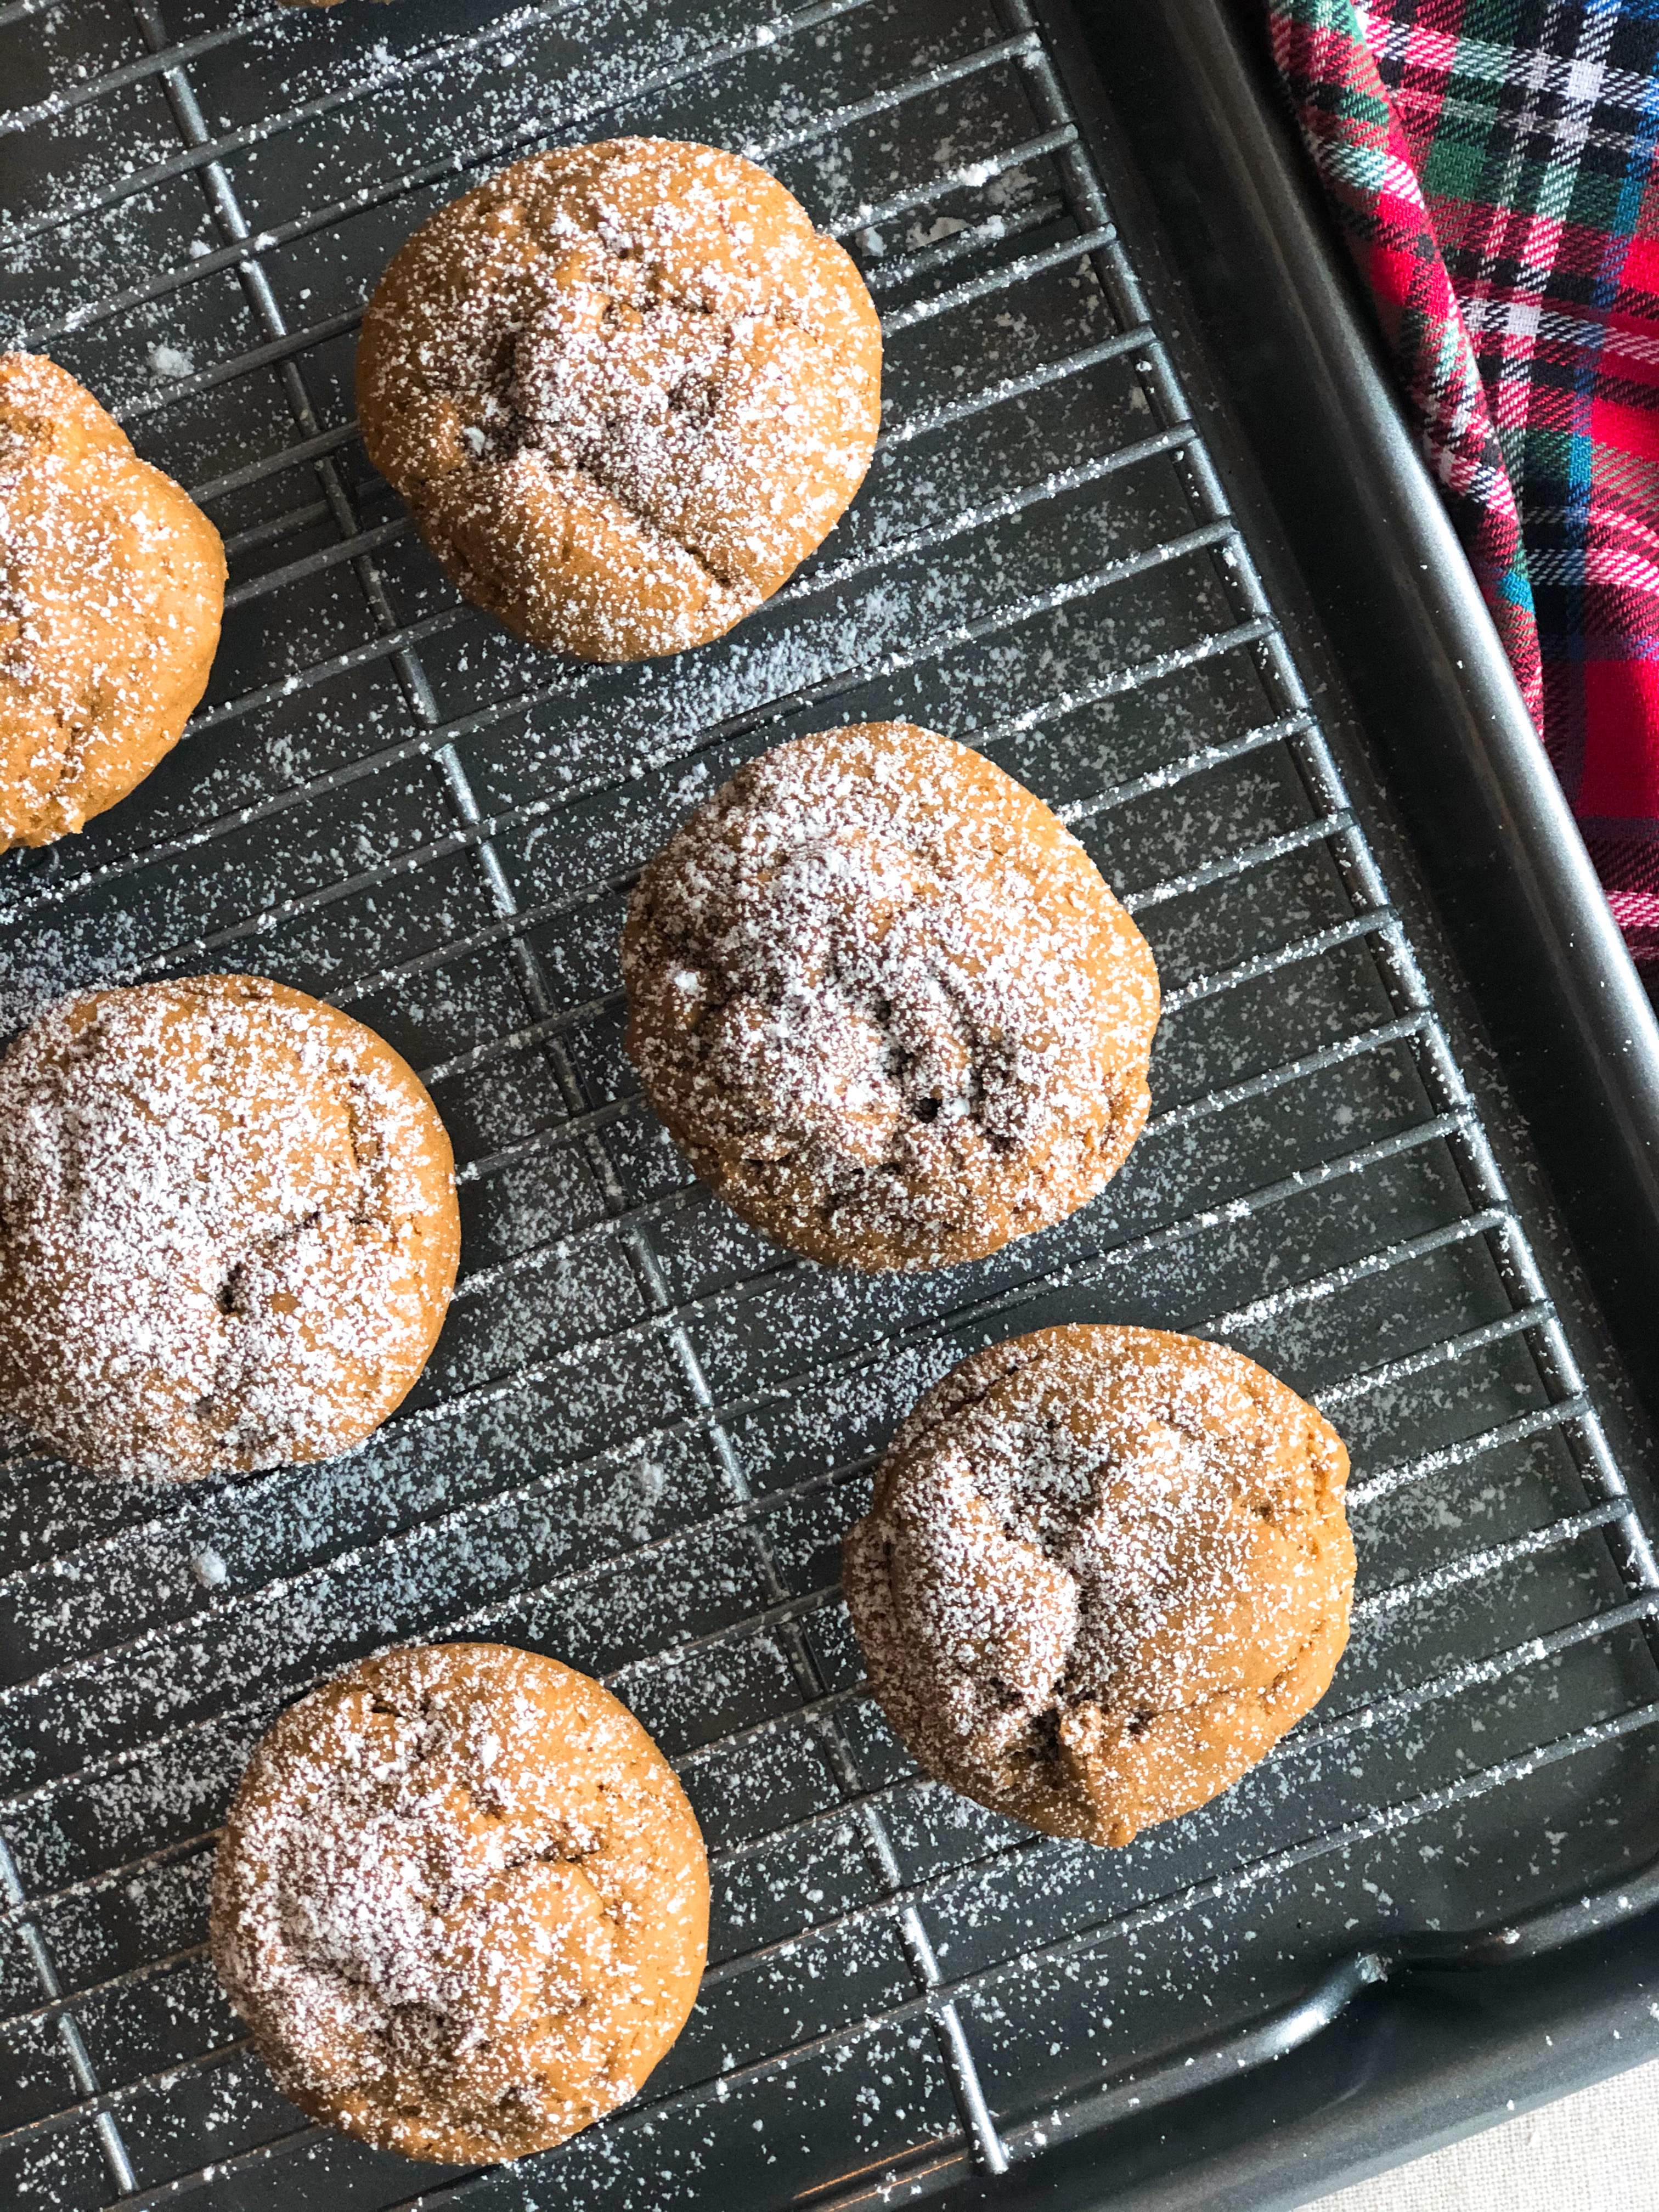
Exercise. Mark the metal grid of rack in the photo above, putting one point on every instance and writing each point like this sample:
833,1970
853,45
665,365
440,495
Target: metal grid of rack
644,1429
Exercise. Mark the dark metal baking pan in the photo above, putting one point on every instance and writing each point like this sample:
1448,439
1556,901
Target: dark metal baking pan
644,1430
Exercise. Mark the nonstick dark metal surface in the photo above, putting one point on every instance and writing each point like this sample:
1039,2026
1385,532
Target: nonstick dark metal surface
644,1429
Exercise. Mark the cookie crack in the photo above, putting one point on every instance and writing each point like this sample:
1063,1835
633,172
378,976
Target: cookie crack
609,474
263,1249
659,535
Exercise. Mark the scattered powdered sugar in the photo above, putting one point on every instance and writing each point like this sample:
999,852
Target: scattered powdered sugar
1160,1977
1104,1571
626,388
227,1228
886,1003
209,1568
461,1901
170,361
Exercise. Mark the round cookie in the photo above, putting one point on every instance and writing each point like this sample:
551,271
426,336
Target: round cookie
112,585
228,1228
885,1003
1104,1570
461,1901
625,389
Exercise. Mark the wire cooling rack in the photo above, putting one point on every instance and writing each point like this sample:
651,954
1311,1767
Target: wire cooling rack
645,1429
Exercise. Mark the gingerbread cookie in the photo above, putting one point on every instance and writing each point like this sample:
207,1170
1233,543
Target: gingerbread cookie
112,585
885,1003
461,1902
625,390
228,1228
1104,1570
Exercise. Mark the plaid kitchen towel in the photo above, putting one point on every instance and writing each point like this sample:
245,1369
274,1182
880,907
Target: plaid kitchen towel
1494,164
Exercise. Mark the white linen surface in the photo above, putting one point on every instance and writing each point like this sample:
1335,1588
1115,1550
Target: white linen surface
1594,2152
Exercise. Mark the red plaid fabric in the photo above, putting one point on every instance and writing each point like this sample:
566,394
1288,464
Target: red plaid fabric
1492,164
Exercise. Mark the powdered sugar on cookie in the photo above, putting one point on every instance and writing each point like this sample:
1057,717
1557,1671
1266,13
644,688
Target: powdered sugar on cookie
1103,1571
228,1228
461,1901
110,586
885,1002
626,389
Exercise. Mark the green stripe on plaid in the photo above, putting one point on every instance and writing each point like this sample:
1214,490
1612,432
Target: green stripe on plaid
1491,164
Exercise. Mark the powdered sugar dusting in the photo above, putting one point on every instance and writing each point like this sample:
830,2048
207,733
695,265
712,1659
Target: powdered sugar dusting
227,1228
1105,1569
111,583
461,1901
886,1003
790,2080
626,389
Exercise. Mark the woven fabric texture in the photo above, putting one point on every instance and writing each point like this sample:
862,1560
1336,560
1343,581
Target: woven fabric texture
1494,164
1596,2151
